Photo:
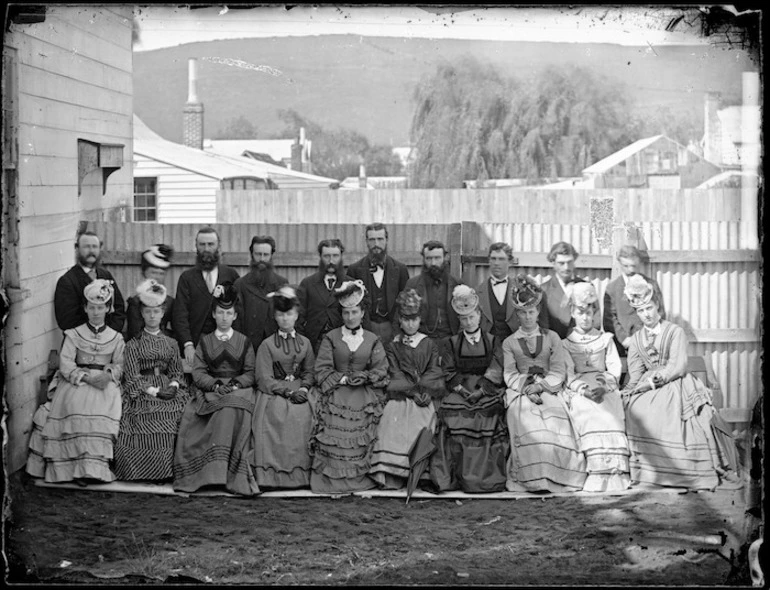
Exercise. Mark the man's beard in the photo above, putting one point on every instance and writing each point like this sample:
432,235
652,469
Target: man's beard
434,272
262,271
83,261
207,260
331,268
377,255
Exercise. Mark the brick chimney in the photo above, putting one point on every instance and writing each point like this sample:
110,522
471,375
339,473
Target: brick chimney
193,111
712,138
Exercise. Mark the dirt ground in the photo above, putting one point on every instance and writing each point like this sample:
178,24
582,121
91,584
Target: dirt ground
646,538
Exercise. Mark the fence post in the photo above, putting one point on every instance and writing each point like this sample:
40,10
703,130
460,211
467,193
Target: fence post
469,235
455,250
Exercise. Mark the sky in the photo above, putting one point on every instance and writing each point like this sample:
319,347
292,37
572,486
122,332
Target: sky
170,25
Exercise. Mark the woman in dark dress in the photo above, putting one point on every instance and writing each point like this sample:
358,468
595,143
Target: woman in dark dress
472,439
283,417
351,370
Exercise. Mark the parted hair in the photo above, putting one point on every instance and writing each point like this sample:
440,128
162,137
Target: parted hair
629,251
433,245
501,247
87,232
208,230
377,226
331,243
563,249
262,240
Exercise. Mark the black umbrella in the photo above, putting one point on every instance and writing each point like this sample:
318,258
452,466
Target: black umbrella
419,457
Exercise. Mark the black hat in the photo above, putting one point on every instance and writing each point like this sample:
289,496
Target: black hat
158,255
225,295
284,298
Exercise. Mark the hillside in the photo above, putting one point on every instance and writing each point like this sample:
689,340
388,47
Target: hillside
366,83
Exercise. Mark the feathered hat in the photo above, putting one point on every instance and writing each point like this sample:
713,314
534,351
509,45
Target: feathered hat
525,292
100,291
158,255
638,291
350,293
151,293
409,302
284,298
225,295
464,300
581,294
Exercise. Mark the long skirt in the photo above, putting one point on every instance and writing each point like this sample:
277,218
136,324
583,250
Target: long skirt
145,446
472,445
400,425
73,433
601,432
281,433
213,446
545,454
343,440
670,437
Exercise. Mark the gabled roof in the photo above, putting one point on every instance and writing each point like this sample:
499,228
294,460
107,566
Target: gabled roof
621,155
151,145
278,149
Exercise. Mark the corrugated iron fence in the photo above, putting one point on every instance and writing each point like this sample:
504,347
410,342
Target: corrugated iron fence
710,287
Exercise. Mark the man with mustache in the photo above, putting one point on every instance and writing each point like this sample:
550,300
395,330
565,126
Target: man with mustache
435,285
320,310
384,278
192,307
254,318
68,299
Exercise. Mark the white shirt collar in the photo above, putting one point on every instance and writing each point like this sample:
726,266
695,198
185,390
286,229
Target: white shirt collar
285,335
655,331
86,269
154,333
473,338
414,339
219,335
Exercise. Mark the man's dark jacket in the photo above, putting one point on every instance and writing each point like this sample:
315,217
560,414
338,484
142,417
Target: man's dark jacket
69,301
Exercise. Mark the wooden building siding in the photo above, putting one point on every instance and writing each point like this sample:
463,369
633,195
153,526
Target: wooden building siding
74,81
508,205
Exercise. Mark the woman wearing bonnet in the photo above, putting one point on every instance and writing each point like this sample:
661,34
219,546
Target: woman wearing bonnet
74,431
674,435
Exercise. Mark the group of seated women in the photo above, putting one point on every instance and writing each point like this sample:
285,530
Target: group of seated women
532,413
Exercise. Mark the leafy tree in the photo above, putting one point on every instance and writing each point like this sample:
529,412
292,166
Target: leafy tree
237,128
339,153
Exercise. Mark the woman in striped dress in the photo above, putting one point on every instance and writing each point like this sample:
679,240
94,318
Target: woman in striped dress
471,439
669,411
593,373
74,431
545,453
153,394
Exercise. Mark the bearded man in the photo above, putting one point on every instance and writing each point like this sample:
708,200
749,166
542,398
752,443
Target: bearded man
384,278
320,310
253,304
68,299
435,285
192,307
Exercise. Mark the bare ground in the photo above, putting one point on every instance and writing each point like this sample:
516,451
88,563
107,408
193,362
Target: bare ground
647,538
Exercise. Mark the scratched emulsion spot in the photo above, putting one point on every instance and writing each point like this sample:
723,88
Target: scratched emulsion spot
239,63
602,220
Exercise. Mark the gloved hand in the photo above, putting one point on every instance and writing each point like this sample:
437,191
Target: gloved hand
533,391
283,391
422,398
299,396
167,393
358,378
463,391
475,395
225,389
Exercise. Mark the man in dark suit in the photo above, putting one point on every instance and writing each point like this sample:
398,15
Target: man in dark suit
254,318
435,285
562,256
498,316
384,278
320,310
68,299
620,318
192,308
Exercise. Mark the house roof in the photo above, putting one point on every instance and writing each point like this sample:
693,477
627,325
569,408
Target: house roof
150,144
278,149
621,155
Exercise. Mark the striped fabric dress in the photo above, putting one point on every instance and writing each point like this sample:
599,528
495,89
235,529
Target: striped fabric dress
471,438
74,431
669,428
593,360
145,446
545,453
